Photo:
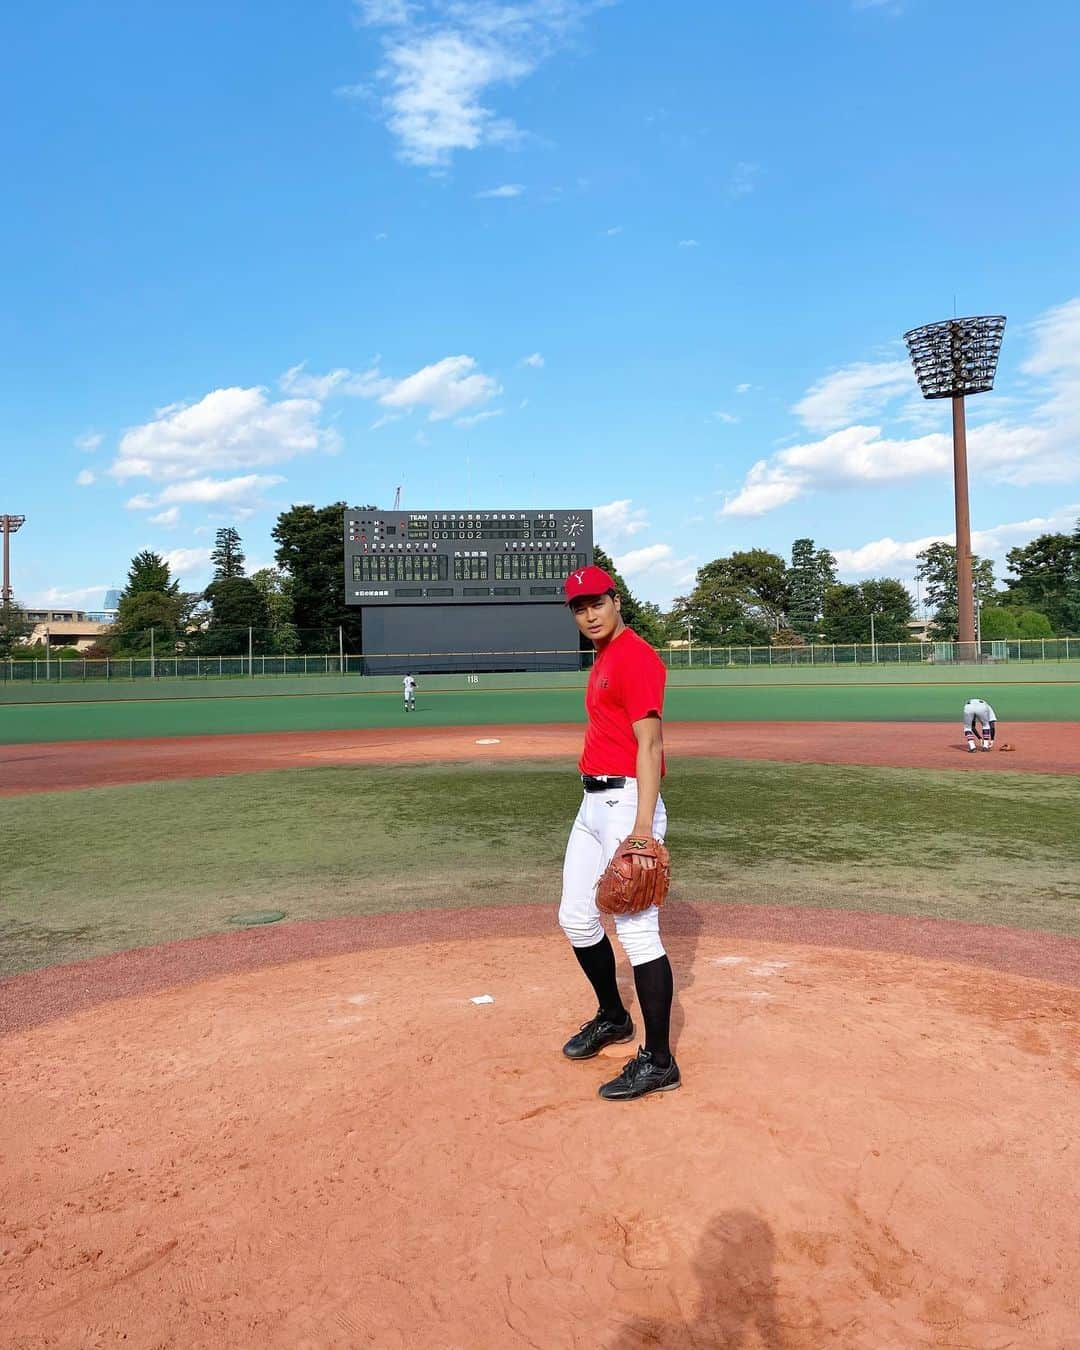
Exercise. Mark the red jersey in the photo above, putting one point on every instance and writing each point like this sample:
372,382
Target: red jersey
626,684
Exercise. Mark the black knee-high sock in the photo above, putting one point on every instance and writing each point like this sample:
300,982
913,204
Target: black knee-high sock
655,985
598,963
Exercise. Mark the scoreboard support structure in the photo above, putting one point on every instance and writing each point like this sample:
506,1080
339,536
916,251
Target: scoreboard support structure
444,591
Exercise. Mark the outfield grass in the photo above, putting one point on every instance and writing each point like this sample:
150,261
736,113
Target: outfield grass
108,868
267,712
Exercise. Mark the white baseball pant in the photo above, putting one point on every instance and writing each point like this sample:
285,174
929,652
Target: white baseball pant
603,822
987,728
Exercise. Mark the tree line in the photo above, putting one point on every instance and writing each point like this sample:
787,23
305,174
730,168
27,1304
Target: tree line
755,597
751,597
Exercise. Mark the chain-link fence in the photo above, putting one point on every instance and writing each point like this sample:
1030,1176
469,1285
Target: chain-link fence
336,659
880,653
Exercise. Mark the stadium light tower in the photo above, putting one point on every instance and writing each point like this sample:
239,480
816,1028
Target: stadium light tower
952,359
8,526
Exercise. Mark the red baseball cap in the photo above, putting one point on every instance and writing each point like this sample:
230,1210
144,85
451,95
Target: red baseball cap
591,580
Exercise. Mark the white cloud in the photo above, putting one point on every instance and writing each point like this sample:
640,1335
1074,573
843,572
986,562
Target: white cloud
535,360
615,229
385,11
764,490
1055,359
438,82
859,390
227,429
726,417
506,190
865,454
998,539
219,490
478,417
658,566
743,388
881,556
689,243
84,478
75,598
298,382
89,441
442,62
744,179
188,561
618,520
643,559
167,518
243,492
446,388
1056,334
1043,447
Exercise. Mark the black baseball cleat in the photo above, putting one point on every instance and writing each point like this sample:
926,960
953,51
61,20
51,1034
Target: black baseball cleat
639,1077
597,1033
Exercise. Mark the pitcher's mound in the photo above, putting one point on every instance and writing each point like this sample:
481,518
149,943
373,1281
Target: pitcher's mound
868,1151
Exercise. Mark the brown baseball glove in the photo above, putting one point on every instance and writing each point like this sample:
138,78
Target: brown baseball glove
636,877
1006,745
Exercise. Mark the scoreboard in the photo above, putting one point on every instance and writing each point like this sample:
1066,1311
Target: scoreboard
481,558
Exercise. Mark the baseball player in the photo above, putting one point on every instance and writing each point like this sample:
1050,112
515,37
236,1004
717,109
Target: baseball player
978,708
408,685
621,767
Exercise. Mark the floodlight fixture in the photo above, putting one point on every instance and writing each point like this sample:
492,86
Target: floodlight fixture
957,356
952,359
8,526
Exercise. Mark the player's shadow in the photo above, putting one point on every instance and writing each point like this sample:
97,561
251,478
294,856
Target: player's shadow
734,1267
682,925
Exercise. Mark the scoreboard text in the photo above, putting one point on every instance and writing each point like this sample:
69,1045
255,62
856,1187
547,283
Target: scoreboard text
420,557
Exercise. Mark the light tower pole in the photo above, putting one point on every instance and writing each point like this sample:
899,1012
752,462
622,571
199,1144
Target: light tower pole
8,526
952,359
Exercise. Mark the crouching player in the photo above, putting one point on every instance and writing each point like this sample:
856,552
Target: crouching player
978,710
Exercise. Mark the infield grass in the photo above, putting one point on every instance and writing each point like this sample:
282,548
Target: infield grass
103,869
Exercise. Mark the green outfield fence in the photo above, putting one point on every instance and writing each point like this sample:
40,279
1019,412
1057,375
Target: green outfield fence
255,665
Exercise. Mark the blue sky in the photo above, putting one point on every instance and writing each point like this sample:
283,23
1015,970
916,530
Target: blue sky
651,258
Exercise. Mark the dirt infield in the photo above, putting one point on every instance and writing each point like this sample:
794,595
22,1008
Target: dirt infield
309,1136
1041,747
869,1150
57,992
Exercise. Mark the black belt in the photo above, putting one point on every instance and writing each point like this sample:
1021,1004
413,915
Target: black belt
591,783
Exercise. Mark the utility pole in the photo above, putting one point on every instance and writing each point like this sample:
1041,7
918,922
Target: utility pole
9,525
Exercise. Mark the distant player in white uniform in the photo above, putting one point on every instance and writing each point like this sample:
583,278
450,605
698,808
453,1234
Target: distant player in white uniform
977,709
408,685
